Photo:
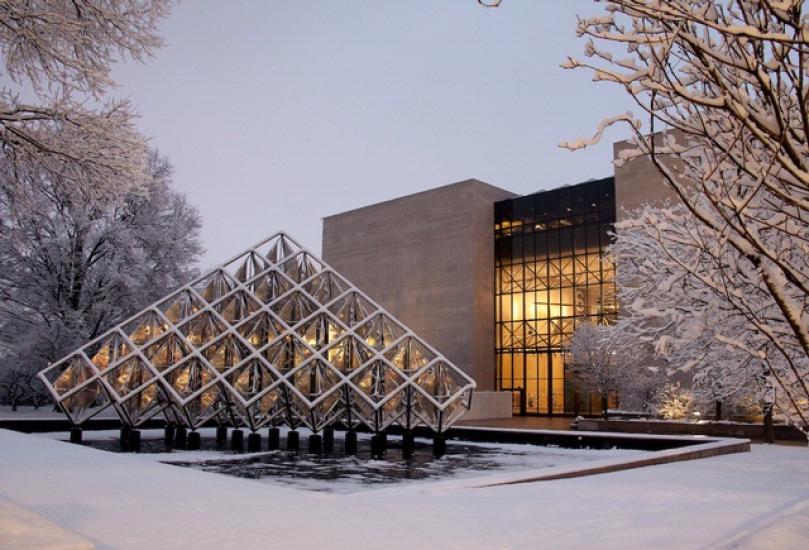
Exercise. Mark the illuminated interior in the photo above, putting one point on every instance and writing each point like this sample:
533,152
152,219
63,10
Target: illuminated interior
550,276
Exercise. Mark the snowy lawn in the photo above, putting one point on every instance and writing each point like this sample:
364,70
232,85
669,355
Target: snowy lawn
748,500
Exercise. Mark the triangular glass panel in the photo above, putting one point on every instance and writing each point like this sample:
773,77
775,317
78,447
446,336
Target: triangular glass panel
293,307
260,329
214,285
128,376
145,328
226,352
246,266
352,309
409,355
180,306
320,330
107,351
326,286
277,248
301,266
167,351
348,354
286,353
236,306
251,378
379,331
202,329
269,286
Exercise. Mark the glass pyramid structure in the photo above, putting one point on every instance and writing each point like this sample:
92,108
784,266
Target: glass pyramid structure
272,337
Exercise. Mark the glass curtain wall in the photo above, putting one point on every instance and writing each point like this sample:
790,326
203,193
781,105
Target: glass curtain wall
550,275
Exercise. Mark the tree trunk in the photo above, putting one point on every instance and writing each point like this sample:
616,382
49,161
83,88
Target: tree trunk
769,429
718,415
604,406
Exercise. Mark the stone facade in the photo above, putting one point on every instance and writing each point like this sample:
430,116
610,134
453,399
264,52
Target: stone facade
429,259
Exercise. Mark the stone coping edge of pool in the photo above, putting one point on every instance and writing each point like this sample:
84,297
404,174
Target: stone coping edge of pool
712,448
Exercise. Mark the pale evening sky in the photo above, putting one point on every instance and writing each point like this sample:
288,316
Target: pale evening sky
278,113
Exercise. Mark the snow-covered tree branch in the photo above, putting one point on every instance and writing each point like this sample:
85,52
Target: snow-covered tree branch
64,51
729,78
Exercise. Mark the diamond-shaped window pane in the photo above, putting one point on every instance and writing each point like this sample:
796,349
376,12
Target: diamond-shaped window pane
145,327
409,355
237,306
320,330
278,248
167,351
202,329
226,352
348,354
352,309
127,376
69,374
260,329
294,307
215,285
181,306
108,351
380,331
269,286
246,266
286,353
301,266
326,286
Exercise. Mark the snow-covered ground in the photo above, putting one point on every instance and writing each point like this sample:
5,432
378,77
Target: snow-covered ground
748,500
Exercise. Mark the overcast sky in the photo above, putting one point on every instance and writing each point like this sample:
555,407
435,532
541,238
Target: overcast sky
278,113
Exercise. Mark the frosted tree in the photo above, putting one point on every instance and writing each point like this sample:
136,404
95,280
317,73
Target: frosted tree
694,298
70,267
63,51
729,80
595,362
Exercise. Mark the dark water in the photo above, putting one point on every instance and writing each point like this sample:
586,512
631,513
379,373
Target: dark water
335,472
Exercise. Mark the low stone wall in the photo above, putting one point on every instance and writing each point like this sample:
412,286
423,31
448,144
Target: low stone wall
489,404
713,429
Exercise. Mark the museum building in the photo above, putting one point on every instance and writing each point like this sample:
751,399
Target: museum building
495,281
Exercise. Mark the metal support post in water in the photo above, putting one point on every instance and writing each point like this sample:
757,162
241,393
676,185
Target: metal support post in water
378,445
237,441
254,442
293,440
273,439
350,446
133,442
168,433
439,445
408,444
221,437
328,440
194,440
315,444
180,437
123,438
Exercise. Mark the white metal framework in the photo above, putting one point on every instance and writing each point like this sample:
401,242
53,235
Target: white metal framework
274,336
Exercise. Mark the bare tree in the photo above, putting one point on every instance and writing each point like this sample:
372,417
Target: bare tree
71,267
730,78
64,51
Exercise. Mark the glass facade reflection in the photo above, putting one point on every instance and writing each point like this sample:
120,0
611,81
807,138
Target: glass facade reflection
550,276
